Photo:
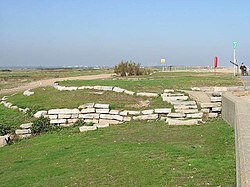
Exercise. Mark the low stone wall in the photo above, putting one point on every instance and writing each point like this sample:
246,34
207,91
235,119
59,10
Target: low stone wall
236,112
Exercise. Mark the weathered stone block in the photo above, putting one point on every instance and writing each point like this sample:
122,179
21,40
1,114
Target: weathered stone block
102,106
89,116
127,118
26,125
144,94
129,92
189,111
119,90
28,93
102,110
22,136
63,111
54,116
145,112
216,109
168,91
146,117
98,125
74,120
40,113
176,115
124,113
187,103
195,115
3,141
22,131
183,122
108,121
205,110
87,105
64,116
180,107
216,99
134,112
88,110
114,111
58,121
212,115
162,110
110,116
91,120
87,128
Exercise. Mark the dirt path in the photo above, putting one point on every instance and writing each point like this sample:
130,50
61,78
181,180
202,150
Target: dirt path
50,82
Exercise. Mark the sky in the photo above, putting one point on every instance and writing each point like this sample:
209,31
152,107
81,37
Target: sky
104,32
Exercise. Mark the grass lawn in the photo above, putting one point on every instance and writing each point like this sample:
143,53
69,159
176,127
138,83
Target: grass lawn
12,117
162,80
131,154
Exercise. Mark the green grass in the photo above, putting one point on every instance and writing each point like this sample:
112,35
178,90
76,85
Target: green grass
131,154
47,98
11,117
18,77
160,81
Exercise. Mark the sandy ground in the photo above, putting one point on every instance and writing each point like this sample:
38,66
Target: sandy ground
50,82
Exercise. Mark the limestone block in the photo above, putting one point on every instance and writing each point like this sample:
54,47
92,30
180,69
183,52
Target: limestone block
212,115
210,105
119,90
89,116
172,94
216,99
145,94
54,116
114,111
74,115
127,118
64,116
110,116
162,110
107,88
145,112
58,121
187,111
63,111
3,141
132,112
102,106
87,105
66,125
195,115
124,113
26,125
175,98
168,91
164,118
195,89
73,120
129,92
14,107
185,107
71,88
98,125
146,117
205,110
216,109
183,122
28,93
97,87
88,110
102,110
89,87
87,128
109,121
22,131
176,115
81,87
40,113
186,103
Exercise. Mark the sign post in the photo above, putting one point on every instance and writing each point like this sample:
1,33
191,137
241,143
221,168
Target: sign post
234,47
163,61
215,64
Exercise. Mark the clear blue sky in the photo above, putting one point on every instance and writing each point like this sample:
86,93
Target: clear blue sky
104,32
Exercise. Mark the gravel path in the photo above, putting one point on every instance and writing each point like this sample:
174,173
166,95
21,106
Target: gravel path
50,82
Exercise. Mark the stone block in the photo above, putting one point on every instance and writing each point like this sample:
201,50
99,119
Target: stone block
185,107
89,87
23,136
124,113
58,121
205,110
209,105
216,99
119,90
195,115
64,116
74,115
28,93
108,121
87,105
107,88
110,116
129,92
102,111
97,87
195,89
114,111
132,112
145,94
88,110
66,125
54,116
216,109
81,87
91,120
40,113
146,112
3,141
87,128
101,106
220,89
73,120
146,117
26,125
186,103
127,118
176,115
183,122
63,111
212,115
172,94
162,110
175,98
22,131
187,111
89,116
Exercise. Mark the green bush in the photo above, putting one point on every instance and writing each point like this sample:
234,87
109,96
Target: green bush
130,68
79,123
5,129
42,125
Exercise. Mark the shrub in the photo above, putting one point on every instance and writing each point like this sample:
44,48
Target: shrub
130,68
79,123
42,125
5,129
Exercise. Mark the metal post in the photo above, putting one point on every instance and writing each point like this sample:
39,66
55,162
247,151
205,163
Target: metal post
235,62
